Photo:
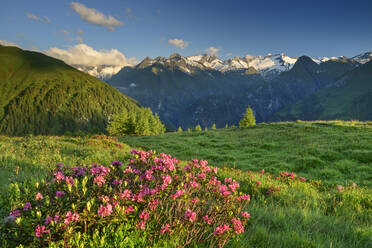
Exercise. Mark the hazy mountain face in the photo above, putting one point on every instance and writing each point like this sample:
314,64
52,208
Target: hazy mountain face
204,89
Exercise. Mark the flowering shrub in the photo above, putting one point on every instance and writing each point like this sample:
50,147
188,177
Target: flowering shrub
151,197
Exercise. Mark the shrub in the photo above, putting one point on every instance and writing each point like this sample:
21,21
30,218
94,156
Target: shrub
149,202
198,128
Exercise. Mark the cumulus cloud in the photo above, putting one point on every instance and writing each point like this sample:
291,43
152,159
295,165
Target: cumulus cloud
94,62
95,17
178,43
8,43
212,51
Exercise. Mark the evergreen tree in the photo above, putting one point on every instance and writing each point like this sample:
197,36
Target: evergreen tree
189,130
205,129
214,126
226,126
179,129
130,123
248,118
198,128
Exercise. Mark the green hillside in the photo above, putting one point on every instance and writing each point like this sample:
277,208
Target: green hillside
349,99
43,95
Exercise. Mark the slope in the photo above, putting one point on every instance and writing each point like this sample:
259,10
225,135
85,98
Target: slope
43,95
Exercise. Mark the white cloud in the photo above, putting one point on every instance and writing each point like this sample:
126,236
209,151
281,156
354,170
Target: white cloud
212,51
38,19
33,17
178,43
8,43
93,16
95,62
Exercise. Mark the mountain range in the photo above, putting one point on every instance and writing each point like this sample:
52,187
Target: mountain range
186,91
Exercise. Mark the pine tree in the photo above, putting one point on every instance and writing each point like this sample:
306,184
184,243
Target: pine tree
179,129
226,126
205,129
214,126
189,130
248,118
198,128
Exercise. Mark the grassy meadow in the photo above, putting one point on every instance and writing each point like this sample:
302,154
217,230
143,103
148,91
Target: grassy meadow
326,210
334,152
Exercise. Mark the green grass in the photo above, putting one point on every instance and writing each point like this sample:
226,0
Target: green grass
300,214
334,152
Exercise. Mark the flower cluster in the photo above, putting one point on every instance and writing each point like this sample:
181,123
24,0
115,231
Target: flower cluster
152,192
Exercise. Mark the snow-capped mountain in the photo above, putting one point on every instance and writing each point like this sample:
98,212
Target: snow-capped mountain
363,58
268,66
103,72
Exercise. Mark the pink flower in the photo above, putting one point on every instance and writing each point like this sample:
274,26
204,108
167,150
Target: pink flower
167,179
144,215
203,163
39,230
195,200
262,171
148,175
117,182
178,193
233,186
38,196
48,220
27,206
71,217
59,176
15,213
141,225
165,228
238,227
215,170
105,210
201,175
99,180
60,193
190,215
207,219
228,180
101,170
258,183
129,209
244,198
194,184
245,215
221,229
69,181
153,204
302,179
126,194
57,218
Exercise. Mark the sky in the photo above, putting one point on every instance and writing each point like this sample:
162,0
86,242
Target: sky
126,31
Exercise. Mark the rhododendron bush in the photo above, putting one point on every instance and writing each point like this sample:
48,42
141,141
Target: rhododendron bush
150,201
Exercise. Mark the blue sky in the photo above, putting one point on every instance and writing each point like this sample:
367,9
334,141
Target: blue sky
237,28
